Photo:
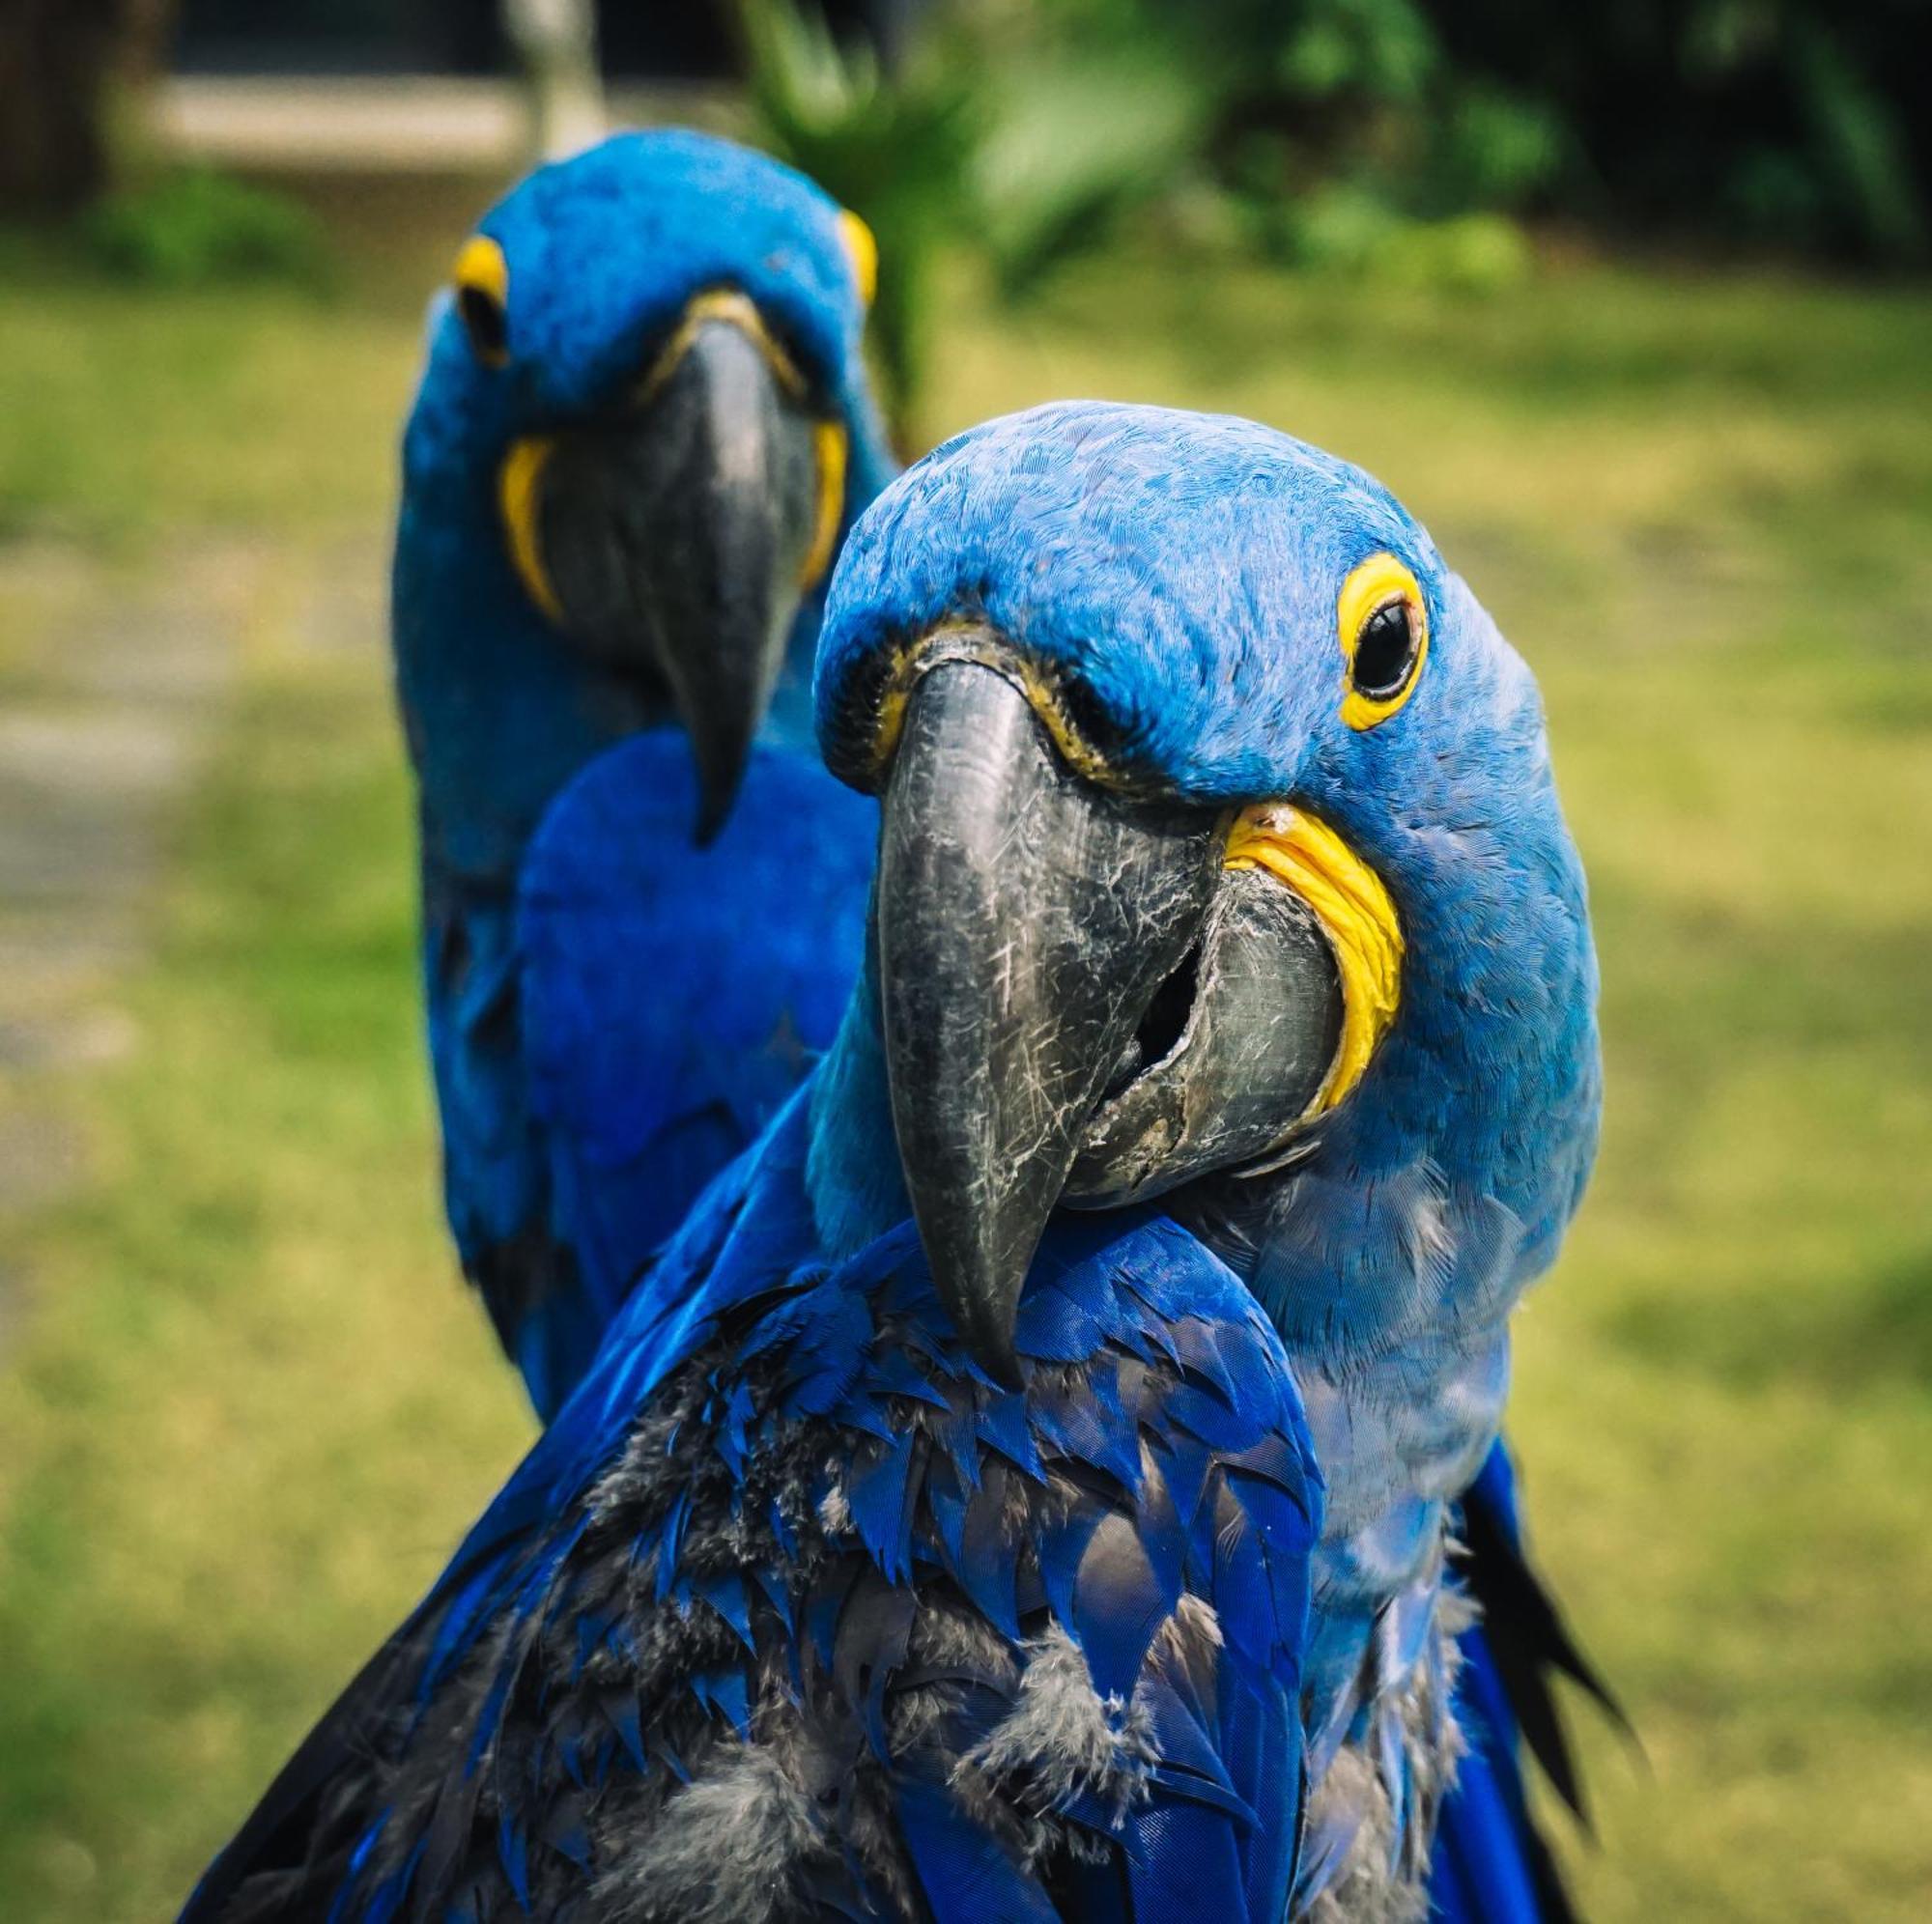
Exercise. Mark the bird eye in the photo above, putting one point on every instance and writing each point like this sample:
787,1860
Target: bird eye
1384,652
1384,633
482,295
861,251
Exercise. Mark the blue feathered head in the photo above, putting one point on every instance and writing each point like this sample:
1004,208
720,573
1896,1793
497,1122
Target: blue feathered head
641,431
1220,836
578,276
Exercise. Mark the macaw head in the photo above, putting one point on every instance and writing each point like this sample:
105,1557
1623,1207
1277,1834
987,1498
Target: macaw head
645,381
1218,839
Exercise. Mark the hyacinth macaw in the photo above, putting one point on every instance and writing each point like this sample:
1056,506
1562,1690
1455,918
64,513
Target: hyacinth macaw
1022,1491
643,427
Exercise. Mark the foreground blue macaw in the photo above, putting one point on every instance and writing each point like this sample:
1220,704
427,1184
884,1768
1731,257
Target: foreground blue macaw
641,431
1223,897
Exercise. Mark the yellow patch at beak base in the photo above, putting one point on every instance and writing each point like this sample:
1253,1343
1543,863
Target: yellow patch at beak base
519,485
960,639
863,251
736,310
1348,899
828,437
829,447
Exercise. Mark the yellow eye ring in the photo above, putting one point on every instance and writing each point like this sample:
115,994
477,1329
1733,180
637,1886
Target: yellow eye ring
1383,625
862,251
482,277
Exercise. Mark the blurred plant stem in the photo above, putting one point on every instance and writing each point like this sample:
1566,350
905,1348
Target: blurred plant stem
557,44
894,148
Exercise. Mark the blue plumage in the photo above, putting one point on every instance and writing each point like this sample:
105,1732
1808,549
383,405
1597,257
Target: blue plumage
557,1194
1014,1664
673,996
1157,562
1489,1865
793,1611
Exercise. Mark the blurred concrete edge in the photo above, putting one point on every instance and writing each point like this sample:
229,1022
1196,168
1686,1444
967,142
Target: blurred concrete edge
404,122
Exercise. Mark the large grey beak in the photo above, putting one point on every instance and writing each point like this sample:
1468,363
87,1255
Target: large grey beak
673,535
1025,919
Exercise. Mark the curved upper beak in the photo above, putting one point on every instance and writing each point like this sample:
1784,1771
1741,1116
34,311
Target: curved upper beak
1024,919
675,537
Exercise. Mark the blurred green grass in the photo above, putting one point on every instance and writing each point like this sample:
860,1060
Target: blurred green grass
248,1407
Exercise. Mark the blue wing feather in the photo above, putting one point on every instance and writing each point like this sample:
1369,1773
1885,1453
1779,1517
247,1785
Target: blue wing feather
607,1042
1490,1863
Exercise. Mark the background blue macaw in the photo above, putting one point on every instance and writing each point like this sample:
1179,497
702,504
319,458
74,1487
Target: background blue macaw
853,1579
643,427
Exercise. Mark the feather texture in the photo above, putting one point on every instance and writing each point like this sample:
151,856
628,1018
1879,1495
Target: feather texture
795,1614
1393,1243
673,997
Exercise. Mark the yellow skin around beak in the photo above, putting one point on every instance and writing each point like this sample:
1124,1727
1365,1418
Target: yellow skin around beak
1356,913
519,480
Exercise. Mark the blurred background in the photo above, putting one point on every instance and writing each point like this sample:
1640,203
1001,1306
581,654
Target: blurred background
1627,301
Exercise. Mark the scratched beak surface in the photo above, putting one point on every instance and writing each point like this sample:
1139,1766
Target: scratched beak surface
674,536
1025,919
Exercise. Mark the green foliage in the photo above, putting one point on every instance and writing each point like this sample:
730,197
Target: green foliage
1492,149
1004,135
1375,139
1076,140
1786,121
895,150
1791,121
1857,149
1321,49
1344,230
198,227
1027,134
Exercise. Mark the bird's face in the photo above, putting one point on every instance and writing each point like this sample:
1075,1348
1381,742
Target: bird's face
1181,730
649,355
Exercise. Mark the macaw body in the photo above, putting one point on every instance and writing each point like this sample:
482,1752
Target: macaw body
673,996
1226,1032
641,430
766,1673
1388,1239
613,1013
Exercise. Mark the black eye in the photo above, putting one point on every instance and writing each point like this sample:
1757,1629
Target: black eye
1385,651
488,326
